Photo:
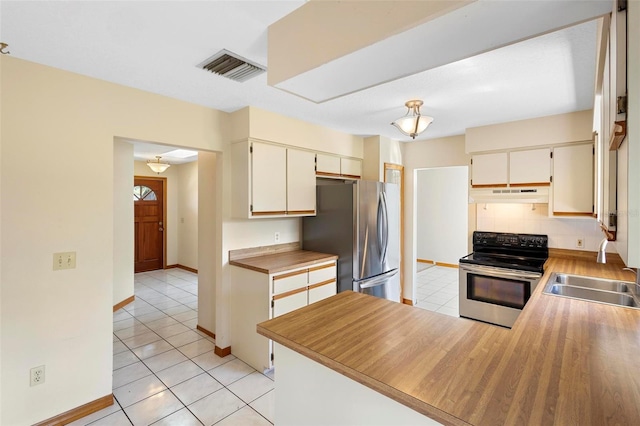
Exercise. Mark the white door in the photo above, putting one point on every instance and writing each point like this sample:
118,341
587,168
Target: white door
573,180
489,169
531,167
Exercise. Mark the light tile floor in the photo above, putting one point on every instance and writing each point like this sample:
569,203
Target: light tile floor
165,371
438,290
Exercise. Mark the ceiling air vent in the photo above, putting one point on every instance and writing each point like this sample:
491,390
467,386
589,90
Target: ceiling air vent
230,65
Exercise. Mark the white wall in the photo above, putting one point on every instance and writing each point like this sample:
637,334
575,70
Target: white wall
188,214
441,152
123,226
442,214
520,218
54,200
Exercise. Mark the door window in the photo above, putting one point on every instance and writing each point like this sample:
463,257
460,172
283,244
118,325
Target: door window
141,192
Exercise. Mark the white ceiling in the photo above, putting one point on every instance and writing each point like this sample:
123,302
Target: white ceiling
155,46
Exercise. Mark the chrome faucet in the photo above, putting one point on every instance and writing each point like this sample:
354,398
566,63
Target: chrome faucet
602,257
637,279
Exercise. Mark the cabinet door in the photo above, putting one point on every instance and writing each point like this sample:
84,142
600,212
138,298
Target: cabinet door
489,170
301,182
350,168
573,180
327,165
532,167
268,180
290,281
322,291
285,303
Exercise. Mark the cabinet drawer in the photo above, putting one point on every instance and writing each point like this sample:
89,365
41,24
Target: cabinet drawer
322,291
289,302
322,273
290,281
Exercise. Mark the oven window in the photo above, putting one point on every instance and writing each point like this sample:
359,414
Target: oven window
498,291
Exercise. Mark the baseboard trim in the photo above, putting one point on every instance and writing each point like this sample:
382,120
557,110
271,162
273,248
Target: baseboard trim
222,352
186,268
426,261
205,331
407,302
79,412
125,302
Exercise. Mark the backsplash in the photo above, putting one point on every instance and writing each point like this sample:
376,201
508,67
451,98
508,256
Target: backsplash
520,218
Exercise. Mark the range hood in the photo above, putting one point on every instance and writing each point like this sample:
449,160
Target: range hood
529,195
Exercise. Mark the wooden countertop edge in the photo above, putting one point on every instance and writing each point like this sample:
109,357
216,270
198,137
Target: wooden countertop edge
287,267
387,390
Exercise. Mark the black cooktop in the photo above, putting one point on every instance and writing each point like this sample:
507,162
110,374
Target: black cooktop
525,252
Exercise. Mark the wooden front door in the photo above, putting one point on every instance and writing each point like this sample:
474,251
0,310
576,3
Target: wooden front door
148,202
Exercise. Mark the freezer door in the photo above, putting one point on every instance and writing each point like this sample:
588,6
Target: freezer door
378,248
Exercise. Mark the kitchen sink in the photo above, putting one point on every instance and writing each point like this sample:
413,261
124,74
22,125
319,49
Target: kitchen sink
612,292
594,283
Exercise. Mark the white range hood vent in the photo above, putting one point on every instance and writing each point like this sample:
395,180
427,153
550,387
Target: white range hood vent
536,195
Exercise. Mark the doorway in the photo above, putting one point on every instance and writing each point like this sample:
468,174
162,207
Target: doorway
149,203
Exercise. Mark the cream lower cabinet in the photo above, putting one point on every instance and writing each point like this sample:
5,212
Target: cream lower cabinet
258,297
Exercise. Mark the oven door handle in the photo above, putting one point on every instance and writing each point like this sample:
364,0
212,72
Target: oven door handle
509,273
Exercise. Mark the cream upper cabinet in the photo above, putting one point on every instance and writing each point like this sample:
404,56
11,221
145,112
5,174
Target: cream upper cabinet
489,169
301,182
334,166
268,179
272,180
327,165
350,167
573,180
530,167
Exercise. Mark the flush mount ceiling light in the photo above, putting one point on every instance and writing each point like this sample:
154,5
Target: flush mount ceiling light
412,124
157,166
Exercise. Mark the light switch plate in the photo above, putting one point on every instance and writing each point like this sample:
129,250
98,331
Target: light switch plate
64,260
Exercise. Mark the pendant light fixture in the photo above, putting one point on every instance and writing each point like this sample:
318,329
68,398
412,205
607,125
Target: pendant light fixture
412,124
157,166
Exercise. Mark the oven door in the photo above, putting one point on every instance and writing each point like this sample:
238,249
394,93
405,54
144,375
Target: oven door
494,295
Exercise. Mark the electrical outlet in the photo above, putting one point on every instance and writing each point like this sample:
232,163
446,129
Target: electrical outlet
580,243
64,260
277,237
37,375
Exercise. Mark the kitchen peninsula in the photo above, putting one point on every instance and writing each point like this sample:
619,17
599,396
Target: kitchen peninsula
565,361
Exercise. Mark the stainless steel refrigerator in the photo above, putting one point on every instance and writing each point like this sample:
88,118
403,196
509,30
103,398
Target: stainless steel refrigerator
360,222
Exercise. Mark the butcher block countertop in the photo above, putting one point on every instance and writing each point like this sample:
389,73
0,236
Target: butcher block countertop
278,262
565,361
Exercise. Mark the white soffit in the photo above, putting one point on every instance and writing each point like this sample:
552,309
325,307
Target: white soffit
471,30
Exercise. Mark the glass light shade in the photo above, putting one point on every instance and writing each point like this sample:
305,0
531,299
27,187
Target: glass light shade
412,124
157,166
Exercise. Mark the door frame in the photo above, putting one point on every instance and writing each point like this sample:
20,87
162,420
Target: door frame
164,212
391,166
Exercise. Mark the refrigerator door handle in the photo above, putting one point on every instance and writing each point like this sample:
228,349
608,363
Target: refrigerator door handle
382,228
377,280
385,233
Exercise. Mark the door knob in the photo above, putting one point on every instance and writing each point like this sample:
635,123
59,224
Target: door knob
161,229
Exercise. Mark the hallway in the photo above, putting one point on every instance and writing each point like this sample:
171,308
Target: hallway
165,371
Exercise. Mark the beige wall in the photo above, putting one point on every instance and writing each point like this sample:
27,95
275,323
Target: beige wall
208,272
432,153
53,200
188,214
377,151
123,226
290,56
553,129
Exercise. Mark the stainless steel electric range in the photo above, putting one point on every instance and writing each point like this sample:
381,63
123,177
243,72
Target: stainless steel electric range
498,278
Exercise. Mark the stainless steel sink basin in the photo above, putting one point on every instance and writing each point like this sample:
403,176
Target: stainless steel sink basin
594,283
612,292
610,297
